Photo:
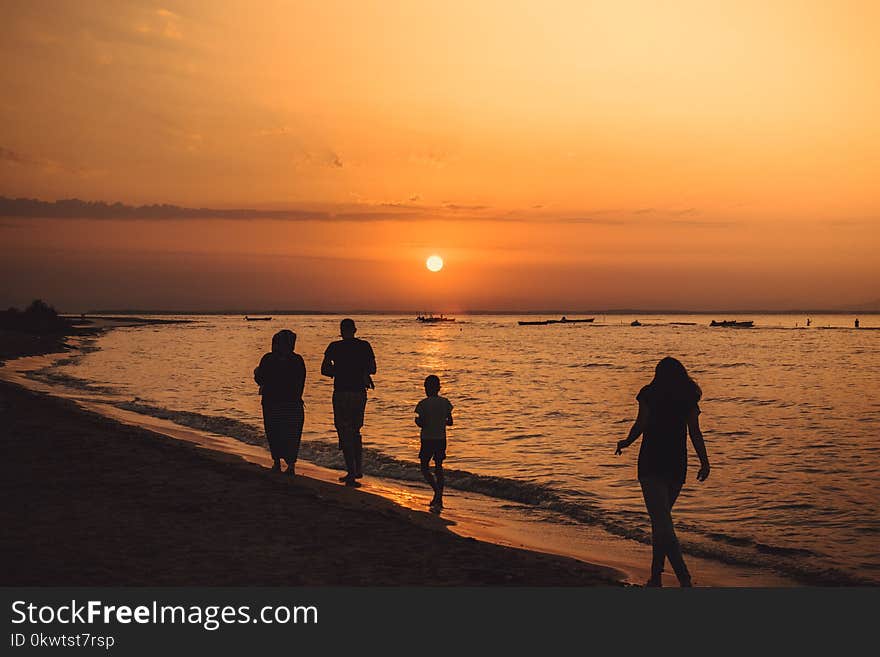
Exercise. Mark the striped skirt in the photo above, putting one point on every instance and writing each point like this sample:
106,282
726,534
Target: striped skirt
283,422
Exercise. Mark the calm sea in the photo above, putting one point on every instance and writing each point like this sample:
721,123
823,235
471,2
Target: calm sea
791,417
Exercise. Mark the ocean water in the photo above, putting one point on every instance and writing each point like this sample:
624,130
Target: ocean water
791,417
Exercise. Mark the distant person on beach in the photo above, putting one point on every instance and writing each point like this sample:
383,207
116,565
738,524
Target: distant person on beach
668,410
281,376
856,323
350,362
433,415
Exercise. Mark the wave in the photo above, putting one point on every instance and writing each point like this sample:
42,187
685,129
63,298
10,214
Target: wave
46,375
742,541
755,401
523,436
572,505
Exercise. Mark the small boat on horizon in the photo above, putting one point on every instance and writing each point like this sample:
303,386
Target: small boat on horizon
431,318
563,320
730,323
257,319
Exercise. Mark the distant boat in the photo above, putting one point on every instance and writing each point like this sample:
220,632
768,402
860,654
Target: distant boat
635,322
431,318
563,320
729,323
257,319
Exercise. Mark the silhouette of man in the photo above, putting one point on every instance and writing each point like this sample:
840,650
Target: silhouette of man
350,363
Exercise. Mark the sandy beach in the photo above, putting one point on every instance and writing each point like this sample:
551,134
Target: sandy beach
91,501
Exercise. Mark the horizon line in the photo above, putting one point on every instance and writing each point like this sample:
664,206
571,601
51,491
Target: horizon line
362,311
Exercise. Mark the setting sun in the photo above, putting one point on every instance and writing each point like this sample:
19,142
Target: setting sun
434,263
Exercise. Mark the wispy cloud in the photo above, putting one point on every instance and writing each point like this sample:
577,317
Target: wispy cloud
435,159
278,131
668,212
360,211
853,222
376,216
15,157
163,23
323,159
79,209
320,156
47,165
472,208
604,221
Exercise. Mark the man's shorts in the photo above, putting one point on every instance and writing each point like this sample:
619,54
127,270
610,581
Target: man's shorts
348,415
433,449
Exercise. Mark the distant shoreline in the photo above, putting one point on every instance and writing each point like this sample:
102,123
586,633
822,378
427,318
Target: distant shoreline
569,313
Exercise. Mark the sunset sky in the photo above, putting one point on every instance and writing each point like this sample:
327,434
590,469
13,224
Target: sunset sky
580,155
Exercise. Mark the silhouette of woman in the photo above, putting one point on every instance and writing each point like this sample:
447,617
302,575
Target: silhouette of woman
281,376
668,410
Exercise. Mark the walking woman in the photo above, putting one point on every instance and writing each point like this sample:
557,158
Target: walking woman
281,376
668,410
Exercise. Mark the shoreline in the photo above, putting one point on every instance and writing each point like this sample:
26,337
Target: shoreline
471,515
19,344
92,501
142,510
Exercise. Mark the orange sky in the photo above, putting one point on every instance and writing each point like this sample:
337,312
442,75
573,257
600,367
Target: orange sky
557,154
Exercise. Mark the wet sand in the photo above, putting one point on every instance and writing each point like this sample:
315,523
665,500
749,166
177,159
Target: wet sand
91,501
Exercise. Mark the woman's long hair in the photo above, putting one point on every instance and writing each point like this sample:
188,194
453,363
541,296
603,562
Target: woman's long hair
283,342
672,381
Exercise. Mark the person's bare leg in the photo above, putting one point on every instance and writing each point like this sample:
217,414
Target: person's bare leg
426,473
441,480
673,550
345,445
350,465
358,456
657,505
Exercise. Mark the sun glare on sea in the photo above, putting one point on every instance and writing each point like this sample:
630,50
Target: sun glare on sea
434,263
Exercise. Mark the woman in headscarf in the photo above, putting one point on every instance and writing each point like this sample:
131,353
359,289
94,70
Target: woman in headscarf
281,376
668,411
